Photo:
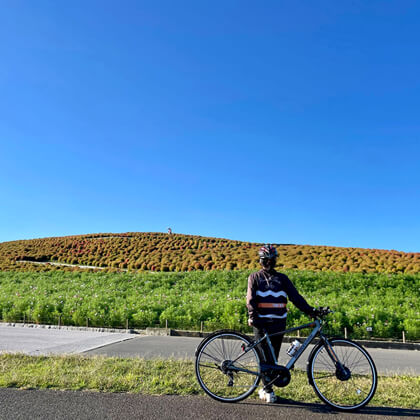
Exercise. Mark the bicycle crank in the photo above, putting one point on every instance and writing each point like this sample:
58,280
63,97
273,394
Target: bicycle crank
279,377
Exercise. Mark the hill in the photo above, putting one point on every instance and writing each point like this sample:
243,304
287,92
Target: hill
178,252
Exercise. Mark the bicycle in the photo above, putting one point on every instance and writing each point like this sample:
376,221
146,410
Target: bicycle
229,366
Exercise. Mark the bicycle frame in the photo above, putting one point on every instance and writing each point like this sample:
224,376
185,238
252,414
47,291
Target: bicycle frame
317,325
316,329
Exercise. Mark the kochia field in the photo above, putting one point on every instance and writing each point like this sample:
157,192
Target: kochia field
147,251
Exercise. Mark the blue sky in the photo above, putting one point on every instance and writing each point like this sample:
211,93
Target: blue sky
274,121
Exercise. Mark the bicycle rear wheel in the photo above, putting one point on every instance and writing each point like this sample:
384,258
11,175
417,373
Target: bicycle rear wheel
225,368
349,388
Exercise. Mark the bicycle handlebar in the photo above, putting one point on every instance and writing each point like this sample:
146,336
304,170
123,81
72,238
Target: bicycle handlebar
323,311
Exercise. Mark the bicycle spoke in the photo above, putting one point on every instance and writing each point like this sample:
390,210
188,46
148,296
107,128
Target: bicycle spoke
325,376
209,366
212,357
219,351
361,359
223,349
240,356
358,387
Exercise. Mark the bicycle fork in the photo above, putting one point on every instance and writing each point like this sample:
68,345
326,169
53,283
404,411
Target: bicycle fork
342,372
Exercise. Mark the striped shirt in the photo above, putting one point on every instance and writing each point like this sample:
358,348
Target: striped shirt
268,294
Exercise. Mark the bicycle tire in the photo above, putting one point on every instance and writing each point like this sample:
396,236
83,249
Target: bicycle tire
344,392
215,372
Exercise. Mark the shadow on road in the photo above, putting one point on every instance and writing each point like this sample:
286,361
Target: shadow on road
321,408
386,411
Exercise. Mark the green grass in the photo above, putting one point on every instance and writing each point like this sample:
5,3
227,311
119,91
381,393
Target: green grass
388,303
162,377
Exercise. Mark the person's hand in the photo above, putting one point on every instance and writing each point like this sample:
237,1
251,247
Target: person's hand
250,322
320,312
315,312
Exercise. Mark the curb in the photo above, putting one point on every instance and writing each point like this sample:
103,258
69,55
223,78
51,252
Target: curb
70,328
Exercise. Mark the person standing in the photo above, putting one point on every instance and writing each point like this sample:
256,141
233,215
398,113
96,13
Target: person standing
267,295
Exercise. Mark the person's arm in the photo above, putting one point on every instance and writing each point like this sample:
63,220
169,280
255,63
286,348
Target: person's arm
297,299
251,303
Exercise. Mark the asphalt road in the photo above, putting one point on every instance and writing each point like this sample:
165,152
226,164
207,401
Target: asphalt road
48,404
388,362
37,341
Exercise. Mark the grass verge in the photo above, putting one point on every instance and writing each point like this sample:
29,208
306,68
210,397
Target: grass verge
158,377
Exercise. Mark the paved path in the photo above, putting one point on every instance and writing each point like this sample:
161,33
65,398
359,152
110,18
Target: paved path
36,341
47,404
387,362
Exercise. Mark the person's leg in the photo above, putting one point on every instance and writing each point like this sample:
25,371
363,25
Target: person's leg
264,350
277,340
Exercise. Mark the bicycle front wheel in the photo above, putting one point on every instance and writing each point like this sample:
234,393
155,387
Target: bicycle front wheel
226,368
348,387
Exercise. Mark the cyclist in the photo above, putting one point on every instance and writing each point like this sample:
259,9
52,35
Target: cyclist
268,291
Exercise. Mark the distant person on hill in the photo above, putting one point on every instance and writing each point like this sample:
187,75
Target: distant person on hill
169,231
268,291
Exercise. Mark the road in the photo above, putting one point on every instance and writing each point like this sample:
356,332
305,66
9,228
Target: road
48,404
36,341
388,362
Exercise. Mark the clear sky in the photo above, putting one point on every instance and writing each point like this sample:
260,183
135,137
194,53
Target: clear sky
275,121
